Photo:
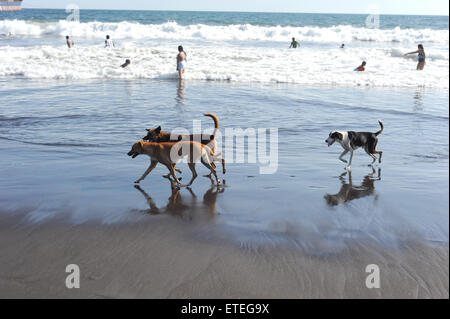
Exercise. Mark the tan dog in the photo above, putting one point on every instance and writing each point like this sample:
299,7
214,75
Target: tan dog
159,136
171,153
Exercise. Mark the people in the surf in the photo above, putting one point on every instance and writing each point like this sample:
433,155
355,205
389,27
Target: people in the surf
109,43
342,46
181,61
294,44
362,67
69,42
420,57
127,63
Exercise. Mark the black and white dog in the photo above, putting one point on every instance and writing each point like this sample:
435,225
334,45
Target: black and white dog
350,141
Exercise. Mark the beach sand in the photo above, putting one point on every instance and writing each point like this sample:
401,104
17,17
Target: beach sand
158,258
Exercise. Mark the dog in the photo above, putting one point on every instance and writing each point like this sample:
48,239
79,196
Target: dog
157,135
349,192
170,153
350,141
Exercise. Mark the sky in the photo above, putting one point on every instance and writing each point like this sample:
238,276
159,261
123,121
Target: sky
415,7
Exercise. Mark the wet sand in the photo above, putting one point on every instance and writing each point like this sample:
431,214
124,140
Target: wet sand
159,258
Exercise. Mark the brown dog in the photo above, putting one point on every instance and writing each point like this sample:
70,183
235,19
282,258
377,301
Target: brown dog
158,136
170,153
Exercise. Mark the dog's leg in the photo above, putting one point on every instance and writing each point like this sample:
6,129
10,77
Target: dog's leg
149,169
224,170
374,159
342,155
350,162
175,168
213,171
172,172
209,175
380,153
194,173
370,151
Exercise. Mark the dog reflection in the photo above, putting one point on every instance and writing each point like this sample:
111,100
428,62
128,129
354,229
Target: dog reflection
349,192
178,205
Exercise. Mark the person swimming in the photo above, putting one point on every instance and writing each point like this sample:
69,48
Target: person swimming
69,42
420,57
294,44
181,61
127,63
109,43
361,68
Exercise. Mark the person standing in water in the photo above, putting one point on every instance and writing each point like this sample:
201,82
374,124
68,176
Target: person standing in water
294,44
181,61
421,57
109,43
69,42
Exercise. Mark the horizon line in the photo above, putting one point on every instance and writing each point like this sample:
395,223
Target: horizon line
237,11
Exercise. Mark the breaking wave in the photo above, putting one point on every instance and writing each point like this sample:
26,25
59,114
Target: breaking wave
237,32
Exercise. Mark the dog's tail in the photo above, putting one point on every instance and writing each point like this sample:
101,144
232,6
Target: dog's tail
382,128
216,123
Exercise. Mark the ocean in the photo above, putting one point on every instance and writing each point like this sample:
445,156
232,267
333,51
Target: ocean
68,117
238,47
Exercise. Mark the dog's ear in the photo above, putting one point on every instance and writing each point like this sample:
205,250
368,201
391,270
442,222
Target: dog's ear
158,129
147,129
337,136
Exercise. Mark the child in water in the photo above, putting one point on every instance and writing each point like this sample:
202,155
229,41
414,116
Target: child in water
361,68
127,63
69,42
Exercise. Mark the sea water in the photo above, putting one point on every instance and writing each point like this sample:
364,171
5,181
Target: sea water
238,47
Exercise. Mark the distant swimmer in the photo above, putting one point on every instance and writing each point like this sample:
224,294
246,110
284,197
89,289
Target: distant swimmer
69,42
127,63
109,43
181,61
421,57
294,44
342,46
361,67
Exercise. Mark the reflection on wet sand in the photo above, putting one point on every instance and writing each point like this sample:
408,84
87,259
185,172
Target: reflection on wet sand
185,207
349,192
418,100
180,93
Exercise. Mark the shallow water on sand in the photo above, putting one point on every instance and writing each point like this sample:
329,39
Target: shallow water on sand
63,152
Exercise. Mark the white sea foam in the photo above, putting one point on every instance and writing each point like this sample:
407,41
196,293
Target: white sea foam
386,67
241,32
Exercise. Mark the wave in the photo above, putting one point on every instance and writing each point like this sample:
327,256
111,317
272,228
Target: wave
236,32
51,143
309,66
